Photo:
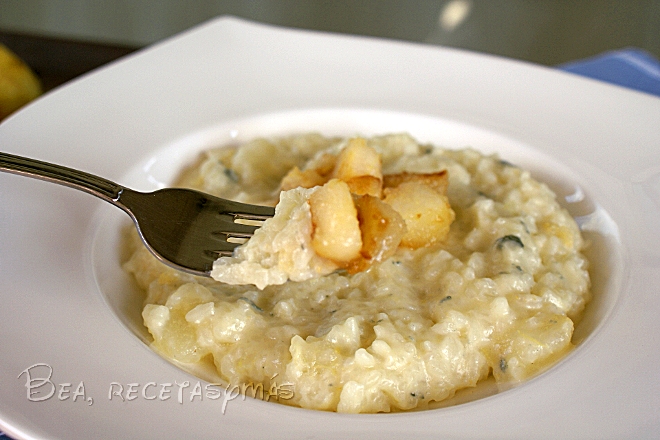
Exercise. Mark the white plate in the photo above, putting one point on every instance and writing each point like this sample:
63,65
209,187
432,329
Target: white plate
66,305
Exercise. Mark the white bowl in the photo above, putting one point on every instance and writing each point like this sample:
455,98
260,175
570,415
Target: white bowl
69,310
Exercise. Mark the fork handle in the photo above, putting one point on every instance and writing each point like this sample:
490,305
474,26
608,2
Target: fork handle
81,180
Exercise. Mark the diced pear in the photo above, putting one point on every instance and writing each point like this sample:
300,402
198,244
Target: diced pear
359,165
437,181
305,179
427,213
382,229
310,177
336,235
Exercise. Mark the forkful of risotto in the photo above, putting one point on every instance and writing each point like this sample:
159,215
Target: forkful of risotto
341,213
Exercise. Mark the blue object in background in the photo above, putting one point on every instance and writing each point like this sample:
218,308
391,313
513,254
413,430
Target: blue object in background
632,68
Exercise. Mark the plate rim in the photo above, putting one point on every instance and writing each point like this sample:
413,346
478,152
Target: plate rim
233,28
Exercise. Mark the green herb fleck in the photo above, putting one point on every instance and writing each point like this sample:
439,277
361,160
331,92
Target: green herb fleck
524,225
249,301
446,298
231,175
503,364
500,242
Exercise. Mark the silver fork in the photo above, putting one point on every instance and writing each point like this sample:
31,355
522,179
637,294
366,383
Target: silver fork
185,229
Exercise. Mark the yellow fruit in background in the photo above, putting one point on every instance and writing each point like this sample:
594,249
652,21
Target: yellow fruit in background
18,85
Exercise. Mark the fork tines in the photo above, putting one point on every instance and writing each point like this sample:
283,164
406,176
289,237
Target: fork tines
245,220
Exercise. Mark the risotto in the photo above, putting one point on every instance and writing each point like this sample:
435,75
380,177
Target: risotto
493,284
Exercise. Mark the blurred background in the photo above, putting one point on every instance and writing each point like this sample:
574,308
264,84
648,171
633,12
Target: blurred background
60,39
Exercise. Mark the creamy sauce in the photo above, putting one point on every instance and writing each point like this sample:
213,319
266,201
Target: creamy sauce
499,296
